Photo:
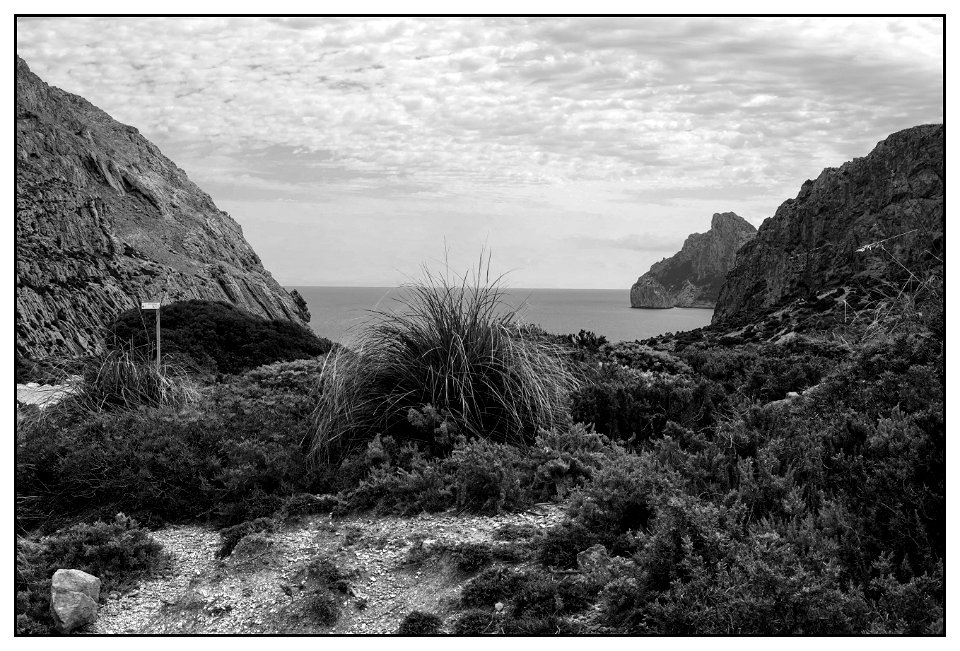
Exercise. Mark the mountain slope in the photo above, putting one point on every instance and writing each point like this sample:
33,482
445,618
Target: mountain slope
692,277
870,221
104,220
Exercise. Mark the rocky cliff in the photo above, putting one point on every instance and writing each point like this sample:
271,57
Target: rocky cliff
692,277
863,223
104,220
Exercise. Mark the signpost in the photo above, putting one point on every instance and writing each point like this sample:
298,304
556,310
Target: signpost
146,305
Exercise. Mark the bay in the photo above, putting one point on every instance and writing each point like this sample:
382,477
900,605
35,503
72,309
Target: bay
338,313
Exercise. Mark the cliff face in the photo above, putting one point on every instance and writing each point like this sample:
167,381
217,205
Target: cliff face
104,221
822,239
692,277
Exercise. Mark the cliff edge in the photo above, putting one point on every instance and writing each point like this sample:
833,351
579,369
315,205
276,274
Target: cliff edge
872,219
104,220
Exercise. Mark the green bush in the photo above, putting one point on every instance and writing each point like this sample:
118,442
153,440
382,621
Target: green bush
420,623
452,346
485,477
218,337
232,535
117,552
322,608
634,406
474,622
234,456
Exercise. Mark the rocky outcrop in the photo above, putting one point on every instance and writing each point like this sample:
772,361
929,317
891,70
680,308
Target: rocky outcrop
864,222
104,220
693,277
73,599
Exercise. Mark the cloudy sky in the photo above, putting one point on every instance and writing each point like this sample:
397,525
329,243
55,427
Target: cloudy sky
578,151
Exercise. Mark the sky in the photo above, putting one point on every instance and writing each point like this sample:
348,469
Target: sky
576,151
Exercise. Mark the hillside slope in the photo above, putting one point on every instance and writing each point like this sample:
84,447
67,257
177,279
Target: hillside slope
867,222
104,220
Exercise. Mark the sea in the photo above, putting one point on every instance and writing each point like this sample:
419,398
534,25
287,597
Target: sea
339,313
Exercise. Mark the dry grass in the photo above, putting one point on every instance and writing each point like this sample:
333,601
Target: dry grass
454,345
120,380
914,305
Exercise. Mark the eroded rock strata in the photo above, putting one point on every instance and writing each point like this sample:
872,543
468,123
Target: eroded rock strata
692,277
104,220
872,219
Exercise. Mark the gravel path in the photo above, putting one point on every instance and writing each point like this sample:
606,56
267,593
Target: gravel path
262,587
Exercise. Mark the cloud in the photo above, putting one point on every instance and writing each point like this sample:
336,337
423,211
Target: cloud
646,242
500,110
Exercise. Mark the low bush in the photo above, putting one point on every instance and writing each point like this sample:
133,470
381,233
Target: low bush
218,337
474,622
118,552
634,406
233,457
322,608
233,535
420,623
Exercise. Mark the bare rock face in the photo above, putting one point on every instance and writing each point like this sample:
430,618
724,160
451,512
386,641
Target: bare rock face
693,277
104,220
853,224
73,599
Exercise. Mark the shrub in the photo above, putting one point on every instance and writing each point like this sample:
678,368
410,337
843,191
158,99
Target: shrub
234,456
490,586
471,557
453,346
117,552
634,406
232,535
420,623
485,477
474,622
218,337
322,608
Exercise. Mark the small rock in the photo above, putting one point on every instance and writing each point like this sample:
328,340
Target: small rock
73,599
114,595
498,606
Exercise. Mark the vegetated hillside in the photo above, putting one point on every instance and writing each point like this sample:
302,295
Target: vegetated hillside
872,221
104,221
217,337
692,277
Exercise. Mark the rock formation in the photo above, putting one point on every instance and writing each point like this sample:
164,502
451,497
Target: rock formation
692,277
104,221
863,222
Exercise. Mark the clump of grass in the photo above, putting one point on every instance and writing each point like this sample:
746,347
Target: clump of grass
123,380
455,345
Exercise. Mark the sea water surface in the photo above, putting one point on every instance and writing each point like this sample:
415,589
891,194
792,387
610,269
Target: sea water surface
338,313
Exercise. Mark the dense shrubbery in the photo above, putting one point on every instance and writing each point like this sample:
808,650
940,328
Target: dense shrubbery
232,457
217,337
477,475
819,515
634,406
117,552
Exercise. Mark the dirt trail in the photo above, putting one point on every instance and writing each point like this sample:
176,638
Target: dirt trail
261,587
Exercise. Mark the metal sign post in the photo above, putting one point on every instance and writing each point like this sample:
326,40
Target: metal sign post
154,306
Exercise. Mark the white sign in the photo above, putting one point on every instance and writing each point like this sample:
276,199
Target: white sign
150,306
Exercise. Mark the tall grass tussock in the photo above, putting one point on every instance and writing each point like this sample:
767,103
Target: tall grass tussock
124,380
453,345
